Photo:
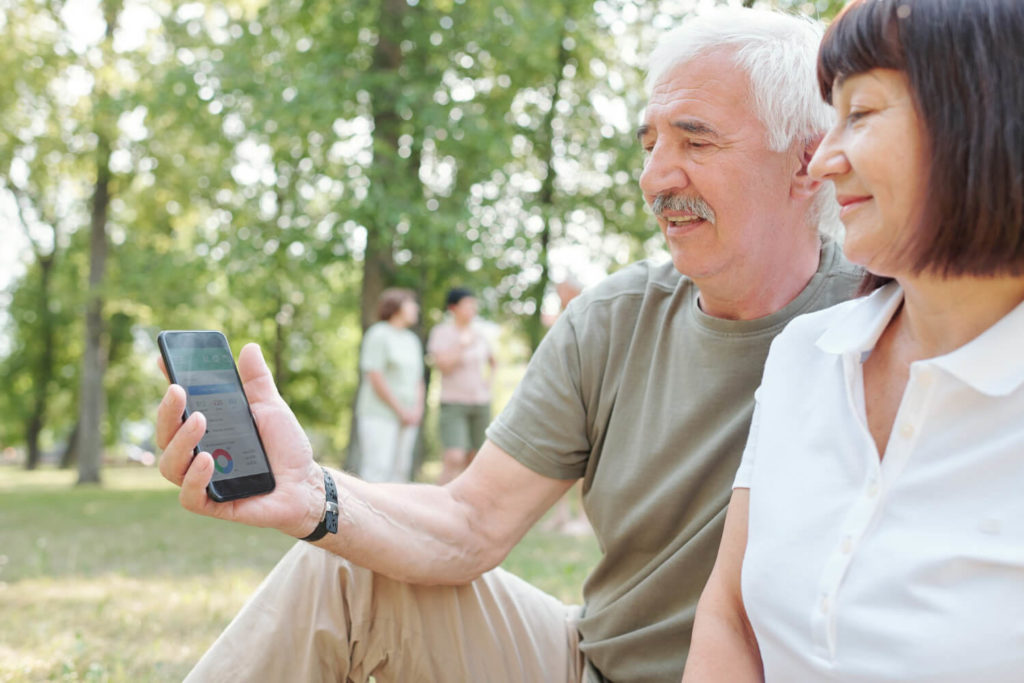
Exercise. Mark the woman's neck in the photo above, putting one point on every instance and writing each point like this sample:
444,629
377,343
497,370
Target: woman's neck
941,315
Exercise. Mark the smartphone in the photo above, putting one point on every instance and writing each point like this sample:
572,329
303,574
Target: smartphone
201,362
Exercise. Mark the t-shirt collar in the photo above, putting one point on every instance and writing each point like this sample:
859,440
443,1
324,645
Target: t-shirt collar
992,363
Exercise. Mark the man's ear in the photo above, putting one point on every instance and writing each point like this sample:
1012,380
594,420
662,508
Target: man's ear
803,185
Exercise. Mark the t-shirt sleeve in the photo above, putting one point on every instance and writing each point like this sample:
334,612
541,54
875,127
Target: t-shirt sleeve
745,472
375,351
544,424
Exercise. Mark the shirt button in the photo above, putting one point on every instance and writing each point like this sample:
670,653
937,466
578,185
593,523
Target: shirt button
873,489
906,430
847,545
825,604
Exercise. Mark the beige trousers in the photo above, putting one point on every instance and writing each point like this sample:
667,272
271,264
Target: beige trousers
318,618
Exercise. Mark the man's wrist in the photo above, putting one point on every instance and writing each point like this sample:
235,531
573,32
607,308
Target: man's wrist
328,523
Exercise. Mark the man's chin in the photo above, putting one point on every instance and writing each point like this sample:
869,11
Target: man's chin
691,261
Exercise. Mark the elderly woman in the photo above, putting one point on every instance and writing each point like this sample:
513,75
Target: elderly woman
878,514
389,406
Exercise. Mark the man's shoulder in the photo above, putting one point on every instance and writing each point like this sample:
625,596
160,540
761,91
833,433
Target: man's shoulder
642,279
838,268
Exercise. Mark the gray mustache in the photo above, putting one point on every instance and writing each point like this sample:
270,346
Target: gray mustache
677,202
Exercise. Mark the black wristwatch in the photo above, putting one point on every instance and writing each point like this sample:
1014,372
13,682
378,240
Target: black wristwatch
329,521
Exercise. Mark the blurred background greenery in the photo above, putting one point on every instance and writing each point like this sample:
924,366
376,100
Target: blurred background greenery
266,168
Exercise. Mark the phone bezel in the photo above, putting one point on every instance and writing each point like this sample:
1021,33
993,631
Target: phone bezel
231,488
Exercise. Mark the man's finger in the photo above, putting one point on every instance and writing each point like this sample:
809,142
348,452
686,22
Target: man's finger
177,457
163,367
168,415
256,377
193,487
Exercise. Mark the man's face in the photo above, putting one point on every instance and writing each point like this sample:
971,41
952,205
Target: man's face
720,194
465,310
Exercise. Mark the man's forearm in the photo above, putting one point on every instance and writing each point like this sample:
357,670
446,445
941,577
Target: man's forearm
417,533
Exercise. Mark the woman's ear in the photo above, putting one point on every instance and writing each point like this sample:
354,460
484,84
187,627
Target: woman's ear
803,185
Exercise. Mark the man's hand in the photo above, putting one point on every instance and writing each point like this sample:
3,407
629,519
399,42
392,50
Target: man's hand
297,501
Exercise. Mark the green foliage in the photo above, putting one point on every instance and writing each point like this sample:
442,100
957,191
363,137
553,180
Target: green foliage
274,164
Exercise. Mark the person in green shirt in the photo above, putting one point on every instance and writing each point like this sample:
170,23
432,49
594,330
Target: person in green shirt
643,389
389,406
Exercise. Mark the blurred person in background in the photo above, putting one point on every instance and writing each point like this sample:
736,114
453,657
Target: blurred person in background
389,406
459,349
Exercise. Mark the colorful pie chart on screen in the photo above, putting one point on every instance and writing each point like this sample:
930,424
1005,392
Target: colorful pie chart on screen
222,461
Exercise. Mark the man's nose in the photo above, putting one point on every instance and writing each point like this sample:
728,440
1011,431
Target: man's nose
663,172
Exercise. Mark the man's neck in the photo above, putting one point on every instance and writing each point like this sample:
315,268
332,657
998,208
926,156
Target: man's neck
762,296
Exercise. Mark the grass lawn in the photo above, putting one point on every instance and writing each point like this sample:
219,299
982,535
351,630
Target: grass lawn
120,584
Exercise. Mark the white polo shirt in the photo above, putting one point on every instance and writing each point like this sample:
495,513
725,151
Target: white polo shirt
909,568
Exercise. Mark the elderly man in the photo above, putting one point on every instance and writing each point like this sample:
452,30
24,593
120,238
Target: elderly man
643,388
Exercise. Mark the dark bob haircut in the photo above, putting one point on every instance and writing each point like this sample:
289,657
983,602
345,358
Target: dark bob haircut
964,61
391,300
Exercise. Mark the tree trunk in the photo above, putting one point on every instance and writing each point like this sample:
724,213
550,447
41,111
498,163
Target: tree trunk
44,368
92,400
379,258
70,455
379,261
546,197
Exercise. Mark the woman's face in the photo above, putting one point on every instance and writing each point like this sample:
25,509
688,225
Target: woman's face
409,313
877,157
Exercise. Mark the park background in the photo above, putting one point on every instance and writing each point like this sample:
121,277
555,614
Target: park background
267,169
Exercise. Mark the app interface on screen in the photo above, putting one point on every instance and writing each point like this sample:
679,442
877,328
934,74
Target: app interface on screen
208,375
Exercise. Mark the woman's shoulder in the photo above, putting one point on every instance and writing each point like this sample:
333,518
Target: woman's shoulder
848,318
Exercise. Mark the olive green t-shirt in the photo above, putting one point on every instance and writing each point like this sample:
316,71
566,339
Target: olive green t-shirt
649,400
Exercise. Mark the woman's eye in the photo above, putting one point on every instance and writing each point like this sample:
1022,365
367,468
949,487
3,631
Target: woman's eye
857,115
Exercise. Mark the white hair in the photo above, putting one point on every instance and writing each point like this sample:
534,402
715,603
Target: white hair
778,52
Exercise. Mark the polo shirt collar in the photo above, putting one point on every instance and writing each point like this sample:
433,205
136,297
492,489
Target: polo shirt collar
865,320
992,363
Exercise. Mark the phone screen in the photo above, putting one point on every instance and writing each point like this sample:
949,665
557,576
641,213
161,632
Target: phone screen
201,362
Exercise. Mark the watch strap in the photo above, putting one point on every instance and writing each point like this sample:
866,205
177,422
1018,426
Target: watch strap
329,522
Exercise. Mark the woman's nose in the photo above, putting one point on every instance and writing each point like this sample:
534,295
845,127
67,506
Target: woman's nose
829,159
